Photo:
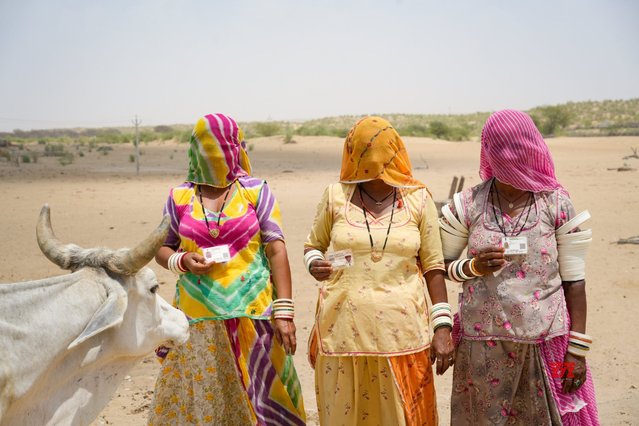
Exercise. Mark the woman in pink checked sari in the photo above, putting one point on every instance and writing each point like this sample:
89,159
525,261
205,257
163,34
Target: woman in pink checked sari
522,315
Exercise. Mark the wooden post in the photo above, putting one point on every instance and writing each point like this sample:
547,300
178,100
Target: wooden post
137,146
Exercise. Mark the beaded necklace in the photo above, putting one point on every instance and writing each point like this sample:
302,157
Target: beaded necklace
376,256
215,232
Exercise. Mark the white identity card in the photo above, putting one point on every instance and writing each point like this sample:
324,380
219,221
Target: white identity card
340,259
515,245
217,254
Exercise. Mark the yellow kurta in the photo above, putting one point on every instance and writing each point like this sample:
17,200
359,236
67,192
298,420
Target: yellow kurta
376,308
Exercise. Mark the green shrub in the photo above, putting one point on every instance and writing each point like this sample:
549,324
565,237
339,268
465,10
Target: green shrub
288,135
54,150
550,120
66,159
268,128
163,129
131,158
414,129
26,158
439,130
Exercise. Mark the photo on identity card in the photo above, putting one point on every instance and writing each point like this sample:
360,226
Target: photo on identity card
340,259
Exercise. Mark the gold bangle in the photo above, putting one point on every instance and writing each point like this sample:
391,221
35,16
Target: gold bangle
474,271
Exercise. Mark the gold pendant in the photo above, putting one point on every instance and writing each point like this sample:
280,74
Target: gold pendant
214,232
376,256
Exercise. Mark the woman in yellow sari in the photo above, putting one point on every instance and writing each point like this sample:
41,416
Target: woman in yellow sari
373,245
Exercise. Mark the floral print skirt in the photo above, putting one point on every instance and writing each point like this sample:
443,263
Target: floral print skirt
500,382
375,390
230,372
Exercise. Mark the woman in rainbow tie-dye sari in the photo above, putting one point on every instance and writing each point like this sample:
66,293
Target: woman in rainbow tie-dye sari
236,368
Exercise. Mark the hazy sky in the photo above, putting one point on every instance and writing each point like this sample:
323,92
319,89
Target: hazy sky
99,62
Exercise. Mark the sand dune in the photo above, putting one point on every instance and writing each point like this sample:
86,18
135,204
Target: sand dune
99,200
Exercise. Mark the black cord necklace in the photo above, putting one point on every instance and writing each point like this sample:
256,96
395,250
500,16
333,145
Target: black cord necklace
215,232
375,255
502,225
377,202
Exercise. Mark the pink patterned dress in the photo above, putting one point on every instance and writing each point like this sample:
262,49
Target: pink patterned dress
513,327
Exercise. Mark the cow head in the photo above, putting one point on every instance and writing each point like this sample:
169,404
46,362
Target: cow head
133,314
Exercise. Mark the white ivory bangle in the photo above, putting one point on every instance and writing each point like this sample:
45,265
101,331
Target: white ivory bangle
310,256
577,351
174,263
580,335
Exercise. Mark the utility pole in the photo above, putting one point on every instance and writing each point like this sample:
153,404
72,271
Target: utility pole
137,145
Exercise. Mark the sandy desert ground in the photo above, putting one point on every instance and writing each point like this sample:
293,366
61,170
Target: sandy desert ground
98,200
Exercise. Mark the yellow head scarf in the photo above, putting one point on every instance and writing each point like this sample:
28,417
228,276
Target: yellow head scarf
374,150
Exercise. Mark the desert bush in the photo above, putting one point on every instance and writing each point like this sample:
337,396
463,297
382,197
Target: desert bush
131,158
26,158
413,129
6,154
66,159
551,120
268,128
288,135
163,129
54,150
439,130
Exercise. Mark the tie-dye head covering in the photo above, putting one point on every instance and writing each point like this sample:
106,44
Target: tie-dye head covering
374,150
217,156
514,152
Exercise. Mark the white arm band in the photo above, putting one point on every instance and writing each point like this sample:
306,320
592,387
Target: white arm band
572,248
453,232
459,207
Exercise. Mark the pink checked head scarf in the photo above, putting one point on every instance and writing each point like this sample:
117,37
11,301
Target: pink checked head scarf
514,152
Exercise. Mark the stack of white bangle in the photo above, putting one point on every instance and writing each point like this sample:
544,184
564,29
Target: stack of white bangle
283,309
175,263
441,315
579,344
310,256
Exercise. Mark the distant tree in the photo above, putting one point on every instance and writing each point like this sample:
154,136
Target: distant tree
551,119
439,130
163,129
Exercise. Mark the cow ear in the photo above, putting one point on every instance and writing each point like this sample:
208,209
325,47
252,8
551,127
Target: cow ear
110,314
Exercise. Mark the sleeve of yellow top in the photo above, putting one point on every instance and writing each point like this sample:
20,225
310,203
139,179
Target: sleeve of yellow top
320,236
269,215
430,251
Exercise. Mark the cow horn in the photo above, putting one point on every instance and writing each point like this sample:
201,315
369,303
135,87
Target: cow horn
130,261
50,246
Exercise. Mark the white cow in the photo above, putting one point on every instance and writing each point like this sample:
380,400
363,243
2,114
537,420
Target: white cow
67,342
